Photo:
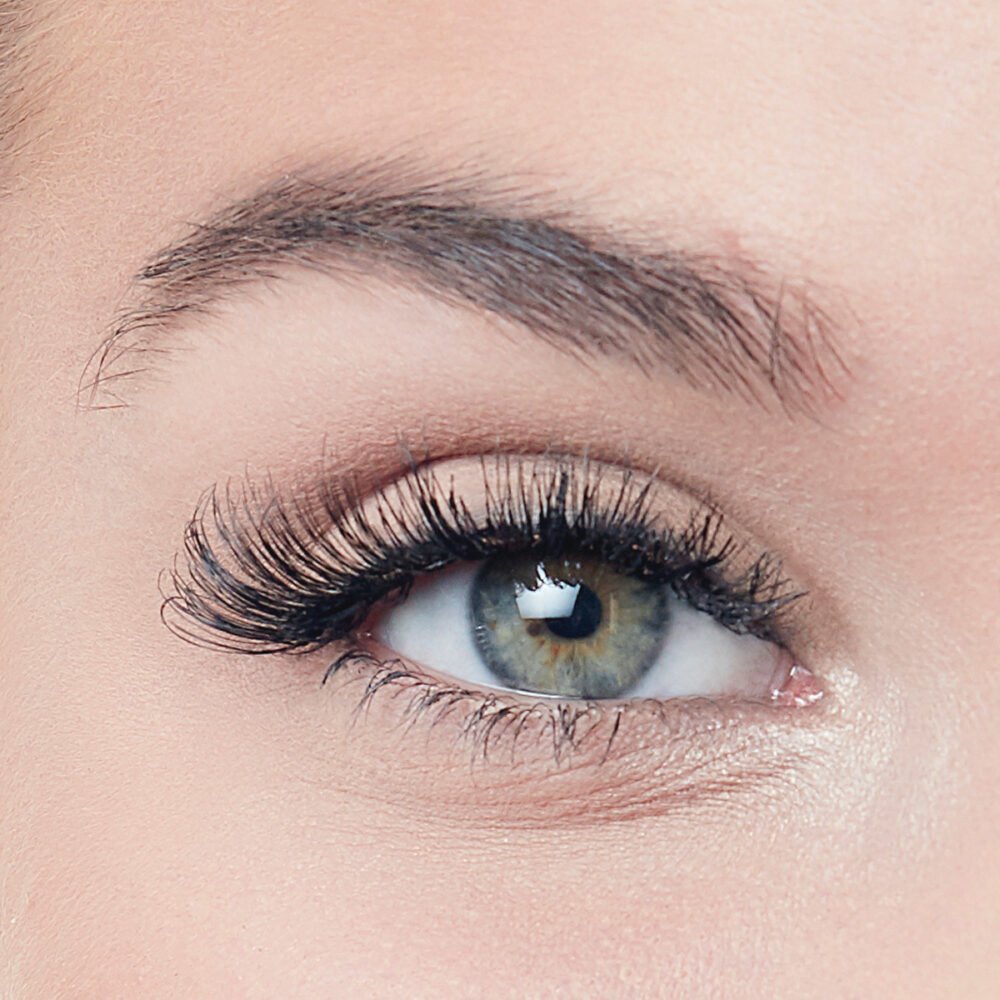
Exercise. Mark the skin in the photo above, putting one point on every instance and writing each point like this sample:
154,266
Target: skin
175,822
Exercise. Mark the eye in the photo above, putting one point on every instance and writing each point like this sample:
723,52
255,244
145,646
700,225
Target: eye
575,627
552,576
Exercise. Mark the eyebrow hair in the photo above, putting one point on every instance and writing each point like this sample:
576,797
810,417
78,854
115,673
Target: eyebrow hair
20,84
721,323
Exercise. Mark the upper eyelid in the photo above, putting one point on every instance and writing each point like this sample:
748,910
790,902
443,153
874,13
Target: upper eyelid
307,555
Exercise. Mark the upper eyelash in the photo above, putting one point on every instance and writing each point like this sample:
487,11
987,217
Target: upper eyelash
262,573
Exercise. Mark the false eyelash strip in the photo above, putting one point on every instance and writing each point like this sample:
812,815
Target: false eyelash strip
264,573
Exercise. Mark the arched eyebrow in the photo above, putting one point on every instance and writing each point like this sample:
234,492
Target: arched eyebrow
722,324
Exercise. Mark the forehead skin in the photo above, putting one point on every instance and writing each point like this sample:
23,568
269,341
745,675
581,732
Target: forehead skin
854,143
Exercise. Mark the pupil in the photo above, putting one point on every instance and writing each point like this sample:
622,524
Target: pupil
584,620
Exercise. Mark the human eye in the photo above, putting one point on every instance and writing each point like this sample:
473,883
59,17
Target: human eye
498,593
574,626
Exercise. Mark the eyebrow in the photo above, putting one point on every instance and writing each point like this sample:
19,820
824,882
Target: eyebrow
722,323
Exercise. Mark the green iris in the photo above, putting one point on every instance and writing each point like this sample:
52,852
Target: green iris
571,626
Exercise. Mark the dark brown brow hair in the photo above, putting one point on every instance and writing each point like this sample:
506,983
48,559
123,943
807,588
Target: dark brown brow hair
496,246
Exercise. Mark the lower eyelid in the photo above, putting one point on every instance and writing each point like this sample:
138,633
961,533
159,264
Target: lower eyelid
543,761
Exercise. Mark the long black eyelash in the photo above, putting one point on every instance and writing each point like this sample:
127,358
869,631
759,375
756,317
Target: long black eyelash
261,573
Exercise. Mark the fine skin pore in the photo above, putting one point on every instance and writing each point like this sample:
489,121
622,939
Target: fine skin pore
176,821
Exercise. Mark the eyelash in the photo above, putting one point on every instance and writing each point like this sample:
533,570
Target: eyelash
264,574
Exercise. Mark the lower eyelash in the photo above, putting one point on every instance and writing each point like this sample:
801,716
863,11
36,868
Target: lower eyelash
486,721
512,728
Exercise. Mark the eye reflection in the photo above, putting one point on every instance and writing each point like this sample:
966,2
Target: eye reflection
571,627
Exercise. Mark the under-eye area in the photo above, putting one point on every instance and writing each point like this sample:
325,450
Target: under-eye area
506,598
529,761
